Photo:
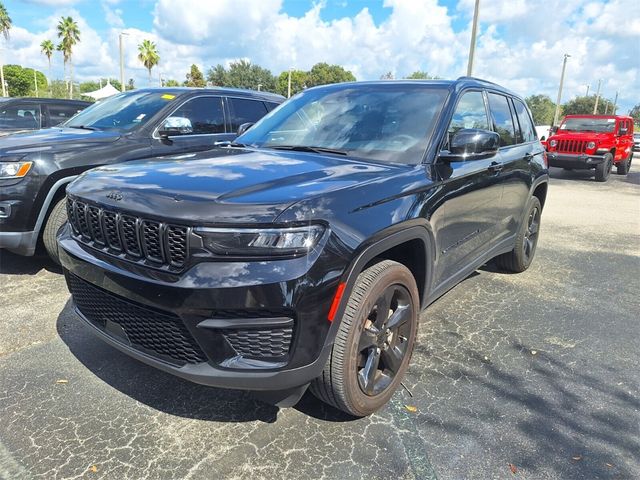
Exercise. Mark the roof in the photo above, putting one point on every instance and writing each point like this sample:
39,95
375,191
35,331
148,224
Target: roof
44,100
218,90
587,115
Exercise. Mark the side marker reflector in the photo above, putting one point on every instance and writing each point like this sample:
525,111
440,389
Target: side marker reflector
336,301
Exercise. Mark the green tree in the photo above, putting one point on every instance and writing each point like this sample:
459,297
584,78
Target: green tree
298,82
20,81
584,106
542,108
171,83
323,73
195,78
92,85
69,35
130,85
5,27
387,76
244,74
420,75
217,76
47,48
635,113
148,55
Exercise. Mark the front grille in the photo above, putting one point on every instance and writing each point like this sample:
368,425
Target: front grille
572,146
162,335
140,239
260,343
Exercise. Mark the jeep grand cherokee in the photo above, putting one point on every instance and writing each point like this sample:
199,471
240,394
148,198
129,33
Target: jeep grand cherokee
302,254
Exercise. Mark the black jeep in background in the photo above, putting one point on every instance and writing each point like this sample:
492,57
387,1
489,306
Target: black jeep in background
20,114
303,253
36,167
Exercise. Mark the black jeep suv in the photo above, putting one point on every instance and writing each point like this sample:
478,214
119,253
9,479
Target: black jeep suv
22,114
302,254
35,167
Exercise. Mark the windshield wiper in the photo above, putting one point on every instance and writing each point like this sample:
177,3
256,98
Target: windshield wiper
306,148
83,127
227,143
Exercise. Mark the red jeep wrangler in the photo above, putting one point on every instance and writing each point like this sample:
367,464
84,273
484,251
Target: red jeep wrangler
592,141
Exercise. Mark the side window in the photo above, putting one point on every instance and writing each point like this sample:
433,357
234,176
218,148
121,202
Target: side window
526,126
20,115
244,110
205,114
271,105
469,113
61,113
502,120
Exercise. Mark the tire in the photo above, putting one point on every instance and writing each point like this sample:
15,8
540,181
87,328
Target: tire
520,258
367,363
623,167
603,170
54,222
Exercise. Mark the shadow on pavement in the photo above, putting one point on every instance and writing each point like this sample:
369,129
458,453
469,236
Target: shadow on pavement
165,392
18,265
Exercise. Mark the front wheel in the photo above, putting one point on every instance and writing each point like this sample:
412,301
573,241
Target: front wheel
54,222
603,169
374,342
519,259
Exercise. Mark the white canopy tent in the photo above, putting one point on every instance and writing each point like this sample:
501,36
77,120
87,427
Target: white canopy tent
104,92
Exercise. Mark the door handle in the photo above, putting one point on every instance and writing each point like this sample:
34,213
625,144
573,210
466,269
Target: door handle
495,167
528,157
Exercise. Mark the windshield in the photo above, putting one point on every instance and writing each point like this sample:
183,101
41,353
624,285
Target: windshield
389,123
124,111
603,125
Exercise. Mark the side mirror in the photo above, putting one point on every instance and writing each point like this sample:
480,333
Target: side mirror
553,130
244,127
471,144
543,138
175,126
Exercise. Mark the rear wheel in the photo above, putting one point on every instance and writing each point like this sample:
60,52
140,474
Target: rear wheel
603,169
623,167
519,259
54,222
374,342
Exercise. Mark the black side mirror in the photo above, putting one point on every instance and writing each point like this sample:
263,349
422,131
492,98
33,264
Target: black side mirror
244,127
543,138
471,144
553,130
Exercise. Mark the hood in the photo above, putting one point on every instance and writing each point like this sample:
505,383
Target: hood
223,185
54,140
586,136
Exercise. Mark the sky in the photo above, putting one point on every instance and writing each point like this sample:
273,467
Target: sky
520,45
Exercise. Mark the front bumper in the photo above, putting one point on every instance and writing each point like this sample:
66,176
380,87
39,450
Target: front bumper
209,324
574,160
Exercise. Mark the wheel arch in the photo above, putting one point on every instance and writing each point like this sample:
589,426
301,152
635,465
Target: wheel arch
56,192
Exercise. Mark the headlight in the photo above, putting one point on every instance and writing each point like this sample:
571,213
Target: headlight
14,169
259,241
591,145
553,143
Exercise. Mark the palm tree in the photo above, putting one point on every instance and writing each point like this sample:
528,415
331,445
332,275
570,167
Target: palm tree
5,26
148,55
69,35
47,47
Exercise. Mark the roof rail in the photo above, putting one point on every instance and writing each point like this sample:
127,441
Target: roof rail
464,77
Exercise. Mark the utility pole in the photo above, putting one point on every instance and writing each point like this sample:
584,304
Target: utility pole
615,103
595,107
472,45
587,94
557,112
289,85
122,87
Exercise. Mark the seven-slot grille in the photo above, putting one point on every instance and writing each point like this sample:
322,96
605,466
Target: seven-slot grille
141,239
572,146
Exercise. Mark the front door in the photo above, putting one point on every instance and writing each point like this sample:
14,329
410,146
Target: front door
205,125
471,197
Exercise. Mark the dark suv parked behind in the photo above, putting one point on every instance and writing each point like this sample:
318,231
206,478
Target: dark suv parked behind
304,253
20,114
36,167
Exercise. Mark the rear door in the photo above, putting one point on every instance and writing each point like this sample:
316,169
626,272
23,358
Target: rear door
244,110
472,196
58,113
208,125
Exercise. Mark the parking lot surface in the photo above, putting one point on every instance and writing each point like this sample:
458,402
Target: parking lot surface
534,375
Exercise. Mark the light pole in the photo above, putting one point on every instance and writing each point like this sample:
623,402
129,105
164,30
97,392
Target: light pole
289,84
4,86
587,94
595,107
557,113
122,87
615,103
472,45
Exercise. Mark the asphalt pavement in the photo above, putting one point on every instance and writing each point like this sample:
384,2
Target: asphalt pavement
530,376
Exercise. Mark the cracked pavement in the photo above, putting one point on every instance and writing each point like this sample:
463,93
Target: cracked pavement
540,371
